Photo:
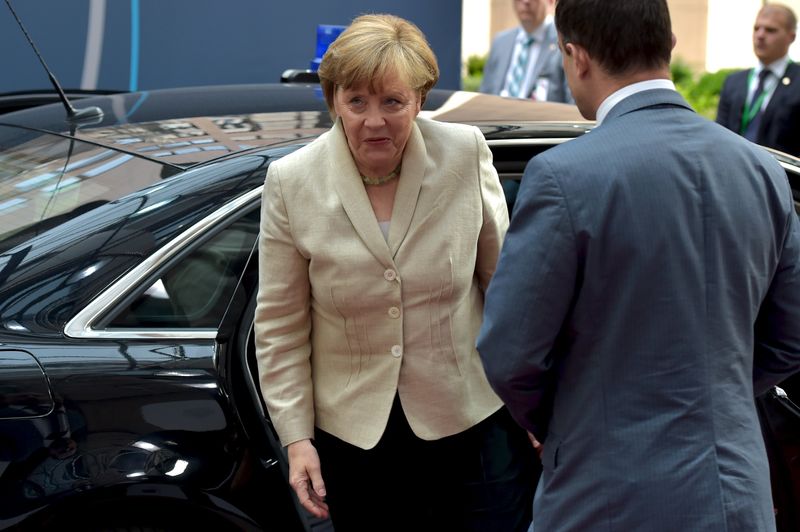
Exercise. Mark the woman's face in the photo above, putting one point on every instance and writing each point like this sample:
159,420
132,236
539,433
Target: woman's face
377,124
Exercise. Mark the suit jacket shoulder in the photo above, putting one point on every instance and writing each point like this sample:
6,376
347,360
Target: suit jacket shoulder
300,159
494,71
780,124
731,100
446,133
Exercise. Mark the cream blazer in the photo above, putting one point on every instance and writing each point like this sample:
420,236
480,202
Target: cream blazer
345,320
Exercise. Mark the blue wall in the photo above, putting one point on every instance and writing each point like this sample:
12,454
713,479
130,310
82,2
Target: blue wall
198,42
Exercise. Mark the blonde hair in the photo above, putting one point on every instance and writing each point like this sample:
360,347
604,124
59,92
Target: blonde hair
374,46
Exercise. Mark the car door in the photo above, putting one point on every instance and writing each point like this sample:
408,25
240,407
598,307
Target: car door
196,298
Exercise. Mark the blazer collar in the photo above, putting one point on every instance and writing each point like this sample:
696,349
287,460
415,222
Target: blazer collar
648,98
792,74
347,181
408,188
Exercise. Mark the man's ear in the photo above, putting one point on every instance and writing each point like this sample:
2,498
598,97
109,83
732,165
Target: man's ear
579,56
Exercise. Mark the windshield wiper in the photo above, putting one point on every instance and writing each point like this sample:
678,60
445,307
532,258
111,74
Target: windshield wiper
74,116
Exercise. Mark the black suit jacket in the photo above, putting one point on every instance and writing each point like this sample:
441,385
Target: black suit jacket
780,125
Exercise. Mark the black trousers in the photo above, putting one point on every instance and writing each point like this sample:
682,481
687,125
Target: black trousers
480,480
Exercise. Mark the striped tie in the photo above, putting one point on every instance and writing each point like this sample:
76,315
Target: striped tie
515,85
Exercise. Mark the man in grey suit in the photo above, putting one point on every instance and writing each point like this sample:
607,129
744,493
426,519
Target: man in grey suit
524,62
648,288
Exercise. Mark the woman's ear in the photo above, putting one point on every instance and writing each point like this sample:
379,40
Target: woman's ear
335,101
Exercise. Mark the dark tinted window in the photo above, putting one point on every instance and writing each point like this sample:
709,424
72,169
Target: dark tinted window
794,181
195,290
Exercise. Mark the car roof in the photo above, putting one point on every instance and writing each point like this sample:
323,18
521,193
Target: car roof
187,126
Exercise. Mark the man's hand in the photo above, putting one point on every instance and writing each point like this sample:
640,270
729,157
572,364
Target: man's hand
305,477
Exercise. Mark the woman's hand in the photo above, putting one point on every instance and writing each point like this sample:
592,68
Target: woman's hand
305,477
537,445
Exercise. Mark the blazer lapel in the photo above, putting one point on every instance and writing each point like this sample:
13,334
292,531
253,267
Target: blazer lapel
738,100
347,181
547,48
408,188
508,43
781,92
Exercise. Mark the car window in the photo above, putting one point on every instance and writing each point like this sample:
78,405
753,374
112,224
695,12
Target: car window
793,174
510,158
196,288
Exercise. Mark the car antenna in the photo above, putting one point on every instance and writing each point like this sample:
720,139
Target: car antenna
93,114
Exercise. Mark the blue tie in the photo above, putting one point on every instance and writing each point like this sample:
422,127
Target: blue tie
751,132
520,69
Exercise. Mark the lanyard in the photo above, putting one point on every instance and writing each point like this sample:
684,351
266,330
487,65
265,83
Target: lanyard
751,109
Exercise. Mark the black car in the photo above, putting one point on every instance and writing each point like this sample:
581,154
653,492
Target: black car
129,397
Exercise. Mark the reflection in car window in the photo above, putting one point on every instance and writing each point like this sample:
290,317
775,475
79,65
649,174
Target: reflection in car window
46,180
196,289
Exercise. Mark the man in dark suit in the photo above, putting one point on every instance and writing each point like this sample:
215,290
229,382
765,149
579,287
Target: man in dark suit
524,62
647,289
763,103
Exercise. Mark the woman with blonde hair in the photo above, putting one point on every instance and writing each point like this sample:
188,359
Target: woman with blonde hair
377,243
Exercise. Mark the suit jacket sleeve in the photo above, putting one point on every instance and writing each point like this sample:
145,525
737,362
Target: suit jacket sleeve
777,342
489,72
283,320
496,66
495,215
529,299
724,105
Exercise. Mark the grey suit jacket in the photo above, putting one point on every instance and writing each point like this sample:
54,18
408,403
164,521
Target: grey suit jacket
346,320
548,68
648,288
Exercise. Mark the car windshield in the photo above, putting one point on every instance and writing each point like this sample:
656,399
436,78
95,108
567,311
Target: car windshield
46,180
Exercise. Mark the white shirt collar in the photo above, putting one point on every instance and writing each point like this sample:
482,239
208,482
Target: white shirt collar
778,68
630,90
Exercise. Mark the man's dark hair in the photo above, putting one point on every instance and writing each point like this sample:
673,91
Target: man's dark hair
623,36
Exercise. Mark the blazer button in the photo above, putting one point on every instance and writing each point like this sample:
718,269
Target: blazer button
390,275
397,351
394,312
